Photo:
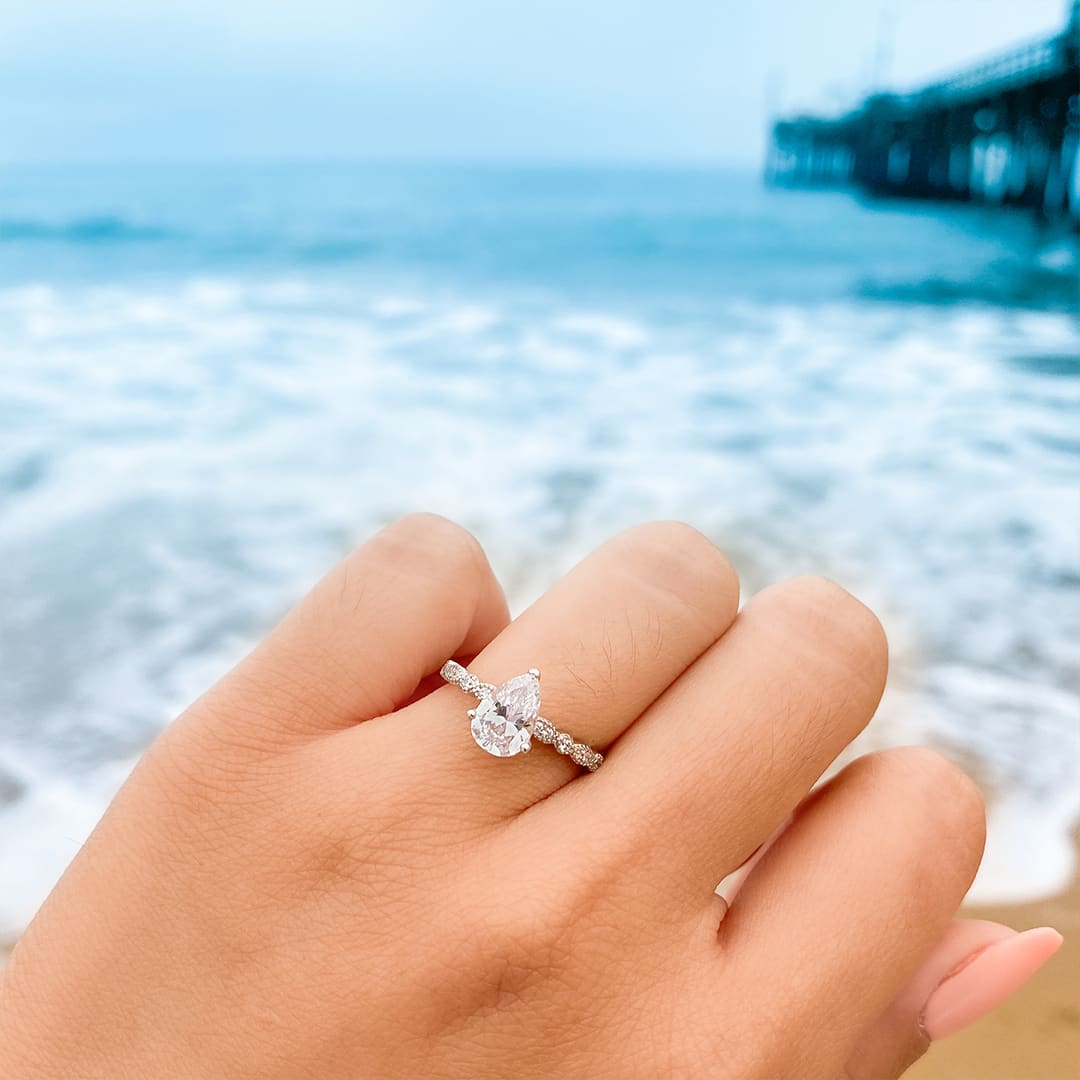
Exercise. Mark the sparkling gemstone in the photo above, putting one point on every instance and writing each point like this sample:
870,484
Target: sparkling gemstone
502,724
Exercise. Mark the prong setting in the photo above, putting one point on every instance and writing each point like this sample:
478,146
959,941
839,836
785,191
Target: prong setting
507,720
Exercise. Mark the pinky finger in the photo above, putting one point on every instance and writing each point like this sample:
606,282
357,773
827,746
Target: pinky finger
974,968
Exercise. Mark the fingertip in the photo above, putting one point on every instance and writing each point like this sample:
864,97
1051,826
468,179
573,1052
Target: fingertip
987,980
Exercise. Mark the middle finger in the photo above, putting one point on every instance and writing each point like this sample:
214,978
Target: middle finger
736,743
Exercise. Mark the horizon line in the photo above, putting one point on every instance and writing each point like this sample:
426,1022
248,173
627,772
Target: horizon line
704,164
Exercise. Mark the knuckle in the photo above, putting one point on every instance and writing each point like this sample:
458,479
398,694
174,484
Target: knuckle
422,551
941,783
826,603
422,548
418,537
827,617
684,563
943,802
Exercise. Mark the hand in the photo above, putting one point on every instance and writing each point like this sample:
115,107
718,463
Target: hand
315,872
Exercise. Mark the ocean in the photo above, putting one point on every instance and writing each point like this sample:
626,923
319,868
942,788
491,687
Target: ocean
215,380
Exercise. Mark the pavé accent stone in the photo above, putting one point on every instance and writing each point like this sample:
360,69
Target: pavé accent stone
581,754
543,731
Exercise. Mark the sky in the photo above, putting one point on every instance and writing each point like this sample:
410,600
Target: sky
560,81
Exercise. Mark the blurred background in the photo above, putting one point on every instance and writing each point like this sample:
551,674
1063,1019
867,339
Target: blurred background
804,275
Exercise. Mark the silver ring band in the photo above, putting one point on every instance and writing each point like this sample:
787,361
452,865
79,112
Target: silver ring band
508,717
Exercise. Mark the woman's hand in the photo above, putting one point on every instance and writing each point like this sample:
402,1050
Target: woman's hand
316,873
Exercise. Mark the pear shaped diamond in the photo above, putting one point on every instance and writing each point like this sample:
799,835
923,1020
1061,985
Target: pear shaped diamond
502,722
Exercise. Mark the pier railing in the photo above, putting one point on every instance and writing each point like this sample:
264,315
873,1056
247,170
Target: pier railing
1028,63
1005,131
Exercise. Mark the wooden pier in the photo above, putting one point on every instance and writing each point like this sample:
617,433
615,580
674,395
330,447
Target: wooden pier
1004,132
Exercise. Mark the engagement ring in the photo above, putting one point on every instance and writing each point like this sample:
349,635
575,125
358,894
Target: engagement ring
508,717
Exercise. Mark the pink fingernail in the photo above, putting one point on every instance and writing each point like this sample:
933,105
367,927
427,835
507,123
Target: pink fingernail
982,983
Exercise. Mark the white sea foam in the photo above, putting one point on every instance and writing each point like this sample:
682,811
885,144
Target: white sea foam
180,462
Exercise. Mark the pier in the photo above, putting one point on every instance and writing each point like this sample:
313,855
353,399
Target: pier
1004,132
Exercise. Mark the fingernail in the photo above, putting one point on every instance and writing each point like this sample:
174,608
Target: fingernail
981,983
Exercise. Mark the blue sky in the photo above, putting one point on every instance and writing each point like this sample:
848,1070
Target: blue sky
534,80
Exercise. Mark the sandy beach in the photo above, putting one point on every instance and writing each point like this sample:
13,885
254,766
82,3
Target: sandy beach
1036,1034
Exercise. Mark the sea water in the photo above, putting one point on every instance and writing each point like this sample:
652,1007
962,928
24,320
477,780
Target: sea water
215,381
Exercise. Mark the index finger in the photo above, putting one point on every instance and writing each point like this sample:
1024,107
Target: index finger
361,642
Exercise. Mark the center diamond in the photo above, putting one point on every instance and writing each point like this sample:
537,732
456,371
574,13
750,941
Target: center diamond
502,722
